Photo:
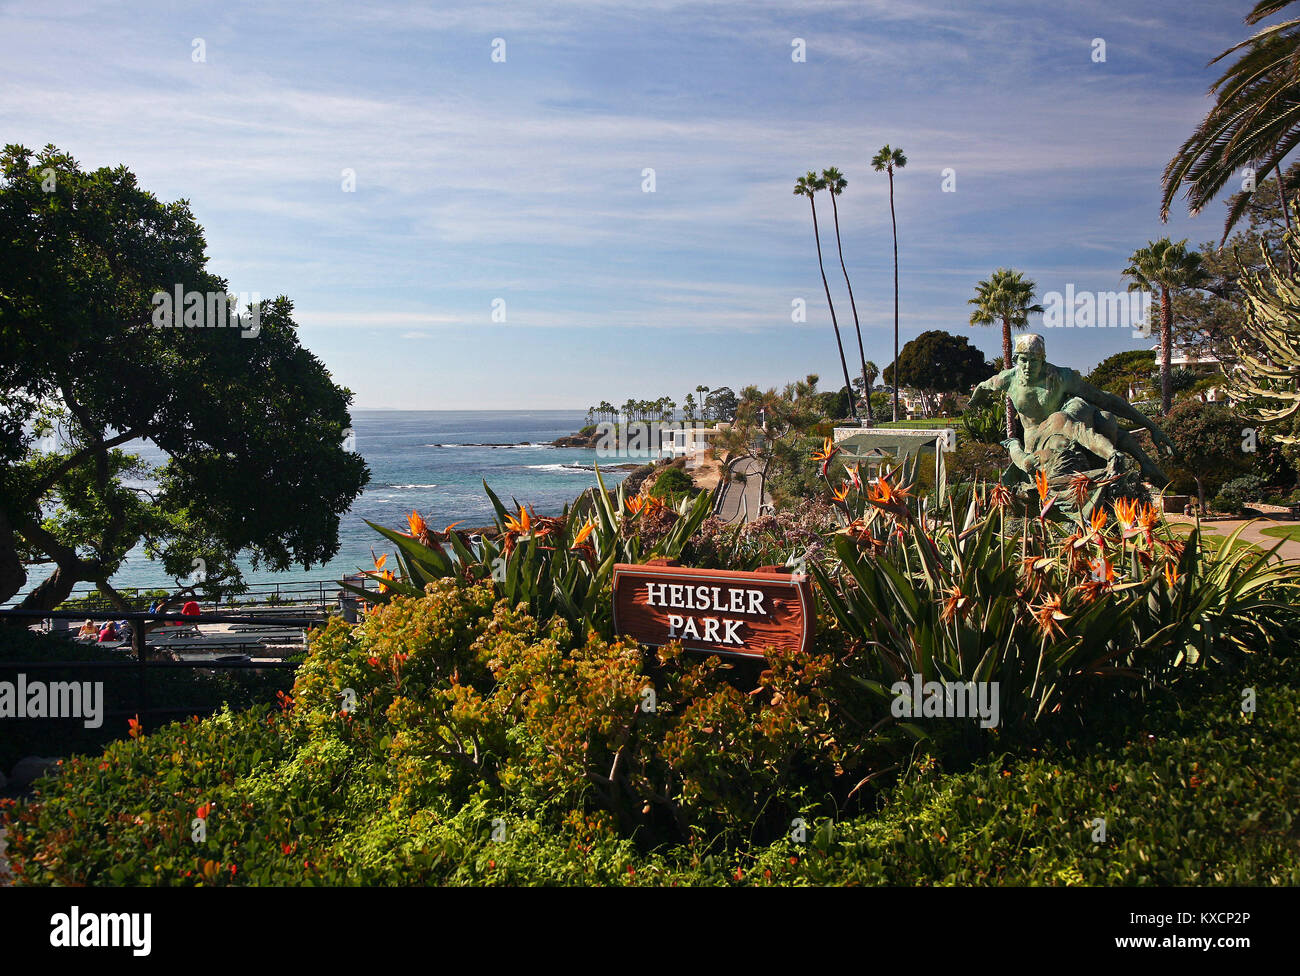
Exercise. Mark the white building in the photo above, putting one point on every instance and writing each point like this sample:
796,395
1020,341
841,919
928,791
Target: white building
691,441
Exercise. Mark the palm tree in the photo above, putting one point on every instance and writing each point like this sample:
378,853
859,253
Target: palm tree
703,391
835,183
1169,267
807,186
869,373
889,160
1255,117
1006,297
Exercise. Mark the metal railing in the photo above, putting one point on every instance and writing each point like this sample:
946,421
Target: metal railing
142,663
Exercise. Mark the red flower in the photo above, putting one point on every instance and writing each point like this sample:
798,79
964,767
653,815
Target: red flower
134,725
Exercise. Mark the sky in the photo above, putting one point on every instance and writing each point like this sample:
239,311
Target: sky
403,170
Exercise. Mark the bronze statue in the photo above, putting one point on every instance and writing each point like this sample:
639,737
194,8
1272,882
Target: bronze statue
1070,426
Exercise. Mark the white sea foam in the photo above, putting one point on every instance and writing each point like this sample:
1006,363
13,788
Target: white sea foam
566,468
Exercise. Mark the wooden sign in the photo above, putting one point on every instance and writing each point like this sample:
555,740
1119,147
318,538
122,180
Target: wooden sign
718,611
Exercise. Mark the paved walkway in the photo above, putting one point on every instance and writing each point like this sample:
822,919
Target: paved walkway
742,502
1253,532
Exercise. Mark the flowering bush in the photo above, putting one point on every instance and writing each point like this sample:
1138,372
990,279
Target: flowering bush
1050,606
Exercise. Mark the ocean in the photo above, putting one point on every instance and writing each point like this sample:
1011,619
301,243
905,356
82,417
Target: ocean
433,462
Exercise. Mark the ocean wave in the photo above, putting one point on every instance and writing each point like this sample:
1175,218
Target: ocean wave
570,468
527,445
406,486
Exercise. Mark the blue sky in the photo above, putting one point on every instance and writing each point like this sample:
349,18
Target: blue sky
521,180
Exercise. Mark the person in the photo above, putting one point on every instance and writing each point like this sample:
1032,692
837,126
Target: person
124,630
88,631
191,609
109,633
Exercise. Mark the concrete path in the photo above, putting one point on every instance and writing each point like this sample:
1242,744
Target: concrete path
743,502
1252,533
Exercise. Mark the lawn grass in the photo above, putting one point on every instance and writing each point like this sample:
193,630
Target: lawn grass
1290,532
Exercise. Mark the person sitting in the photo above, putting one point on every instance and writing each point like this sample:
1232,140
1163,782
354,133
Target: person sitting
109,633
191,609
88,631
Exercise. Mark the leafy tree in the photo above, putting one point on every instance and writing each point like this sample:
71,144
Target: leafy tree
807,186
887,160
939,362
721,404
1115,373
1254,118
1005,298
1208,440
253,427
1169,268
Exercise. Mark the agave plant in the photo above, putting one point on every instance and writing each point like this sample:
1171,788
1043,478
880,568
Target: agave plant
555,565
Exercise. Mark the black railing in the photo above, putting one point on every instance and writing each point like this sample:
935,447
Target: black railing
141,663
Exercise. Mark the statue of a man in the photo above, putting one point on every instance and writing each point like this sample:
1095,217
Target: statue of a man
1066,418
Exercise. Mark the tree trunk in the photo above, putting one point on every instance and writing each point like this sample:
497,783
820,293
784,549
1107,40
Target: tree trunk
13,577
857,327
894,222
844,365
1286,213
1008,364
1166,351
50,592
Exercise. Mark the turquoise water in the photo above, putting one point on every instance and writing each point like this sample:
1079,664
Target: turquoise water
427,460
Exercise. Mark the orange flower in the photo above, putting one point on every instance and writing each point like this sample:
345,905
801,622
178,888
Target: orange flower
1126,513
1101,577
955,605
520,523
134,725
379,562
855,475
419,530
1171,574
203,810
840,494
886,496
828,451
999,495
1048,613
1079,487
1040,481
585,531
1098,520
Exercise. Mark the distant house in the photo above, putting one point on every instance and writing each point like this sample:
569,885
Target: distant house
692,441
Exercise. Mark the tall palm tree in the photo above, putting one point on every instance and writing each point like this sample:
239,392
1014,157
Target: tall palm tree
1255,117
1168,267
1005,298
835,183
703,391
807,186
889,160
869,373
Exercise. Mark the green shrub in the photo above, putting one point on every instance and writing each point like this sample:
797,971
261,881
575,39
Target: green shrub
466,711
1234,496
672,483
